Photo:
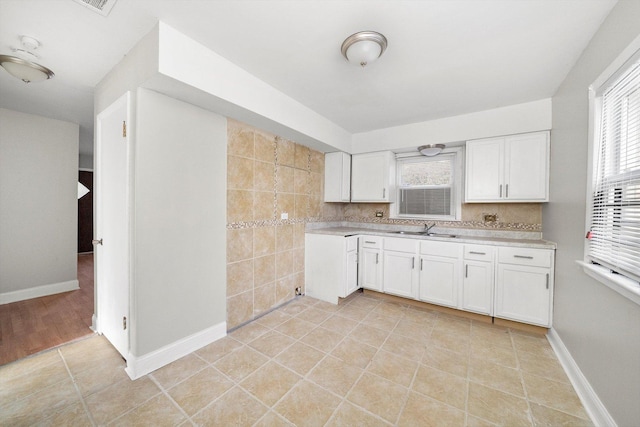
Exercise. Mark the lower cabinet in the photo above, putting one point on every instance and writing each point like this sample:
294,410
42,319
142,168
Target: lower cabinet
524,286
478,279
505,282
400,274
331,266
370,266
440,272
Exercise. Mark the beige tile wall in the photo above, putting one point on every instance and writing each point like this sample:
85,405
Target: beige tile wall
267,176
509,215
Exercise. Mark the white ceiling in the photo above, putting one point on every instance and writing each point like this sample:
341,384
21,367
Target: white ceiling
445,57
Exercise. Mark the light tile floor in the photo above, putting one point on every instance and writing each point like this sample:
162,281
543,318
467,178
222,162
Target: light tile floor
364,363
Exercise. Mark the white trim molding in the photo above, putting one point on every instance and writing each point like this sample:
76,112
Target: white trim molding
590,400
142,365
626,287
38,291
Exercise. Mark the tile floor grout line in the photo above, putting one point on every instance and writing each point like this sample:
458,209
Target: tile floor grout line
75,385
364,370
524,388
168,396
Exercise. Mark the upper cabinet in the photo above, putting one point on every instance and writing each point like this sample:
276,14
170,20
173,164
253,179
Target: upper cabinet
508,169
373,177
337,177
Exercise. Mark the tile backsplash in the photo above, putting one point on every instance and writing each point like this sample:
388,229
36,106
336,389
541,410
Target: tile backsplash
268,176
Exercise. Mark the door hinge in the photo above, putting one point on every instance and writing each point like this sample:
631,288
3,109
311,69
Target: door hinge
124,323
124,129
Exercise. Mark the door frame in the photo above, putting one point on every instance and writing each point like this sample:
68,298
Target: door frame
124,100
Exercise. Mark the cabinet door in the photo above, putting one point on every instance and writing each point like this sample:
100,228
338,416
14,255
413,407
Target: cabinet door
370,177
370,269
351,282
439,278
337,177
523,293
484,170
399,270
526,167
477,287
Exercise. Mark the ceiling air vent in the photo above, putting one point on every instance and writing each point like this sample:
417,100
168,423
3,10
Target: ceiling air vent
103,7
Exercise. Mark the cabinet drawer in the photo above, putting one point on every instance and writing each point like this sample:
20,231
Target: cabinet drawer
478,252
443,249
371,242
400,245
525,256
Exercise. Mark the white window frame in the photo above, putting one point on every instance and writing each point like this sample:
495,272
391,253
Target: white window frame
456,188
625,286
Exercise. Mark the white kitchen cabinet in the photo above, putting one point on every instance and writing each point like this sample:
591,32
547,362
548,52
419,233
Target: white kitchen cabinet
439,276
337,177
331,266
508,169
370,266
400,274
373,177
478,279
524,286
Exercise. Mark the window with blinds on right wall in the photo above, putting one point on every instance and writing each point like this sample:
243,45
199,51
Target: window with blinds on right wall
614,236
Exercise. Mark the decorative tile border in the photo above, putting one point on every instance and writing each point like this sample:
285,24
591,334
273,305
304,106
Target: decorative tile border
390,221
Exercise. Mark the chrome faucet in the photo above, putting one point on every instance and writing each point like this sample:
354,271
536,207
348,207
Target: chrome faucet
427,227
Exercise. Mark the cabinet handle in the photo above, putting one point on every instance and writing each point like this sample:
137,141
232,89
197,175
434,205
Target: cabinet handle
506,193
384,192
377,258
413,263
523,256
500,190
466,270
477,253
547,280
371,243
421,263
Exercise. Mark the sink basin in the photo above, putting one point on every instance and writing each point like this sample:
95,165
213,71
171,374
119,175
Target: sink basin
422,233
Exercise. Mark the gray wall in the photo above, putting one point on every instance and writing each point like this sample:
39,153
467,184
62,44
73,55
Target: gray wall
180,220
38,201
600,328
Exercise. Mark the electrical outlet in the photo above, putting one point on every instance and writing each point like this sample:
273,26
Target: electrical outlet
490,217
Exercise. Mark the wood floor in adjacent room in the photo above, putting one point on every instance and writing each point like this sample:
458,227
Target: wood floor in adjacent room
28,327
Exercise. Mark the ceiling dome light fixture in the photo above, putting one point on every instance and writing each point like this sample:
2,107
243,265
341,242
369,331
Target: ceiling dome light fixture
22,67
24,70
363,47
431,149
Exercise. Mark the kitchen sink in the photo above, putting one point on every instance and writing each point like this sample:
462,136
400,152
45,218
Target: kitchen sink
422,233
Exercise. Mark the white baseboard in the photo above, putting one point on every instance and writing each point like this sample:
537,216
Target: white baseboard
38,291
590,400
142,365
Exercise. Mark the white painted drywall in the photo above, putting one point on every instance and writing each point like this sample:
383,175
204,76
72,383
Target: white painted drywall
520,118
180,210
235,93
599,327
38,205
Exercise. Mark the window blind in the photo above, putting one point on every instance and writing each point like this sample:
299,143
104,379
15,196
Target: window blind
615,222
425,201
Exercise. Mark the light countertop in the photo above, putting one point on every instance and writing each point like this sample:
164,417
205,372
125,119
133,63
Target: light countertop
460,237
